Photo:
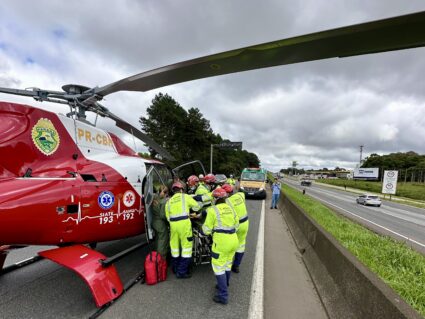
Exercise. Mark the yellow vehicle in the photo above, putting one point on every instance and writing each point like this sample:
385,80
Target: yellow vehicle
253,182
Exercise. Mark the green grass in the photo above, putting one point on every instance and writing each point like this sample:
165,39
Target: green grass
408,190
402,268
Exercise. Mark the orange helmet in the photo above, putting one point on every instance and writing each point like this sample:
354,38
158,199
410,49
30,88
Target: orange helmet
228,188
219,193
177,185
192,180
209,178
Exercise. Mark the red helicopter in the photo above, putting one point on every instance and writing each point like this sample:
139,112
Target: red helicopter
67,183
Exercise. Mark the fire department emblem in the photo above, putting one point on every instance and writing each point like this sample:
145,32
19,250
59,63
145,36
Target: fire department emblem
106,200
129,198
45,136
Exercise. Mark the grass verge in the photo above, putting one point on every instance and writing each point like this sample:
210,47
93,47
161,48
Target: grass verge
402,268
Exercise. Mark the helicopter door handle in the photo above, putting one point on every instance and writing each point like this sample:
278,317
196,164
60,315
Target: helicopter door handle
86,205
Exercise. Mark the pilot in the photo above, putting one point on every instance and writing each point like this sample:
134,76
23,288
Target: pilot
222,224
177,212
160,223
237,203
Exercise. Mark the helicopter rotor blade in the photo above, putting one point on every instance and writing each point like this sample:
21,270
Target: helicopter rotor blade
140,135
396,33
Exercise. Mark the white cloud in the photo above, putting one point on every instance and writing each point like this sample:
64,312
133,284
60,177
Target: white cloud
316,113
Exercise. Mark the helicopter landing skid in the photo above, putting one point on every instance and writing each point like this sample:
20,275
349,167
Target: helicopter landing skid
3,255
104,282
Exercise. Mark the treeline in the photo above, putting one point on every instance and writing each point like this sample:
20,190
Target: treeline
188,136
408,160
411,165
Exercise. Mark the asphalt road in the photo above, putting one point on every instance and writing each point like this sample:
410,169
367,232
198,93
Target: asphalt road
402,222
46,290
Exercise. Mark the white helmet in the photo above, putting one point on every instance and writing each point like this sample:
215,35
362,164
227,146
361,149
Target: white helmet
231,176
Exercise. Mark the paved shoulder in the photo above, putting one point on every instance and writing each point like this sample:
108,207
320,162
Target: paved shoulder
289,292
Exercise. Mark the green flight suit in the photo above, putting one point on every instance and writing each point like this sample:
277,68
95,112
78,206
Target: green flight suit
161,227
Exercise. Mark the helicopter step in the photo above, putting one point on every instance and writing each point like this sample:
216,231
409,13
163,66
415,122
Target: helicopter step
104,282
4,251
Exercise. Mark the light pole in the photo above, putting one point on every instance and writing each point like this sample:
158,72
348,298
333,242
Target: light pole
211,158
361,153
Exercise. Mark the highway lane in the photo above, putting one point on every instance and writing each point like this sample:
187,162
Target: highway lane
46,290
192,298
402,222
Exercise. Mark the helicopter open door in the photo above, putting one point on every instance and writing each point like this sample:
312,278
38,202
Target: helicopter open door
151,189
191,168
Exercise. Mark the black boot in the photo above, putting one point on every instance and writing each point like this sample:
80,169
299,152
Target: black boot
235,269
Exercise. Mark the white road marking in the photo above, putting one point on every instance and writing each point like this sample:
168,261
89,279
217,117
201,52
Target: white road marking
371,222
412,217
256,302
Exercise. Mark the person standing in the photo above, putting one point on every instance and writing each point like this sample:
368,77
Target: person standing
181,240
275,193
237,203
160,223
222,224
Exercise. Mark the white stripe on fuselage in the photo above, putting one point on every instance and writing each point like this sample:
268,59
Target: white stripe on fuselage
96,145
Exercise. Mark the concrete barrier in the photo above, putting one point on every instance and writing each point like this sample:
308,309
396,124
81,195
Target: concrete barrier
365,295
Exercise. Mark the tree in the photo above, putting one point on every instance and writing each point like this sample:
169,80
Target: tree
165,123
187,135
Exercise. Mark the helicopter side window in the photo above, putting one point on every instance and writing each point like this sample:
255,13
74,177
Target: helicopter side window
88,178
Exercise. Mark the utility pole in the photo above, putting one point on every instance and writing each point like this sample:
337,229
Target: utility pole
361,153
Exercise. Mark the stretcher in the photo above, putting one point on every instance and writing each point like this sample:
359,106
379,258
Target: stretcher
201,253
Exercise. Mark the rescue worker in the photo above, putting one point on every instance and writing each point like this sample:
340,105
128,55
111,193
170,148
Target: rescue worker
192,183
177,211
206,186
204,191
160,223
231,181
222,224
237,203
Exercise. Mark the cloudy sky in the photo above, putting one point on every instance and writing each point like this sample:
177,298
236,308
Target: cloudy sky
316,113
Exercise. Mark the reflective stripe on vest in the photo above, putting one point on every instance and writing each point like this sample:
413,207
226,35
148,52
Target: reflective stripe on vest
221,228
243,220
176,219
182,215
233,209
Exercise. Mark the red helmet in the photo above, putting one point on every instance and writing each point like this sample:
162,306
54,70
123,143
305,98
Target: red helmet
177,185
228,188
209,179
219,193
192,180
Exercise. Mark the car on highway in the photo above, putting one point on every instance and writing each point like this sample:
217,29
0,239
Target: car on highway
220,178
305,182
367,199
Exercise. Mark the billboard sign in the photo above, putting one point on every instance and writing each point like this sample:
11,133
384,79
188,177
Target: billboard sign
366,173
234,145
389,184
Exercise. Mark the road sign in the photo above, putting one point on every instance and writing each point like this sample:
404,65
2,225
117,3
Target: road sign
237,145
389,184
